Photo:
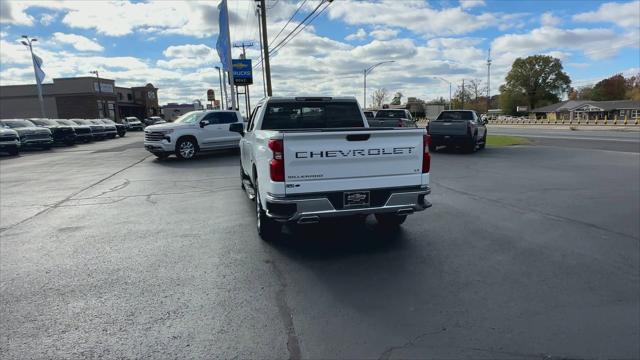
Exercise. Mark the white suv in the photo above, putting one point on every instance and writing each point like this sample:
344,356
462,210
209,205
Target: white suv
193,132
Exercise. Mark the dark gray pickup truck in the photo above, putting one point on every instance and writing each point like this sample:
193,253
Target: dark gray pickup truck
392,118
462,128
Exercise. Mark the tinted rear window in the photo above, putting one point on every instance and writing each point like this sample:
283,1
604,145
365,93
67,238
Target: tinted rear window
455,116
311,115
393,114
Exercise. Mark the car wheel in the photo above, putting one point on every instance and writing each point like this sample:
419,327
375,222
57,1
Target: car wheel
14,151
484,142
122,134
112,136
48,147
186,149
390,220
267,228
472,145
70,142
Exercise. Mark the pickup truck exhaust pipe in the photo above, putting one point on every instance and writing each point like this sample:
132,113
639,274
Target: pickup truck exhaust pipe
309,220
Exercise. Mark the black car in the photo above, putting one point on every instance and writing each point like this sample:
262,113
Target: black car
109,130
83,132
62,134
120,128
97,131
30,134
458,128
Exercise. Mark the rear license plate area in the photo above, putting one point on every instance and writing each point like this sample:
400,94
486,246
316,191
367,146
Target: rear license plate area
356,199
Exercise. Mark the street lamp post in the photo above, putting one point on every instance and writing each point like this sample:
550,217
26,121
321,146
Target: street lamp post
366,72
27,42
99,92
221,94
448,82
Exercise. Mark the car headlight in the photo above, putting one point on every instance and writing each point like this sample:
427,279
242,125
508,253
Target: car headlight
166,132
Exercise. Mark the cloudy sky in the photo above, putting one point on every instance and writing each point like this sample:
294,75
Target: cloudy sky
172,43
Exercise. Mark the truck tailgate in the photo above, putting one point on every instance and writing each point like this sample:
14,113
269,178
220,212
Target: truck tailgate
348,160
448,128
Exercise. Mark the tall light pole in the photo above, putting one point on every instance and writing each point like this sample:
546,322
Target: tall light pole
99,92
366,72
448,82
27,42
221,94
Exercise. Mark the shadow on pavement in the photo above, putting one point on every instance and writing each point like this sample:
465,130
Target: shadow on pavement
173,161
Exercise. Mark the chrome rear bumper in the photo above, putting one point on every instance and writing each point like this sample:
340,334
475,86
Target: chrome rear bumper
311,208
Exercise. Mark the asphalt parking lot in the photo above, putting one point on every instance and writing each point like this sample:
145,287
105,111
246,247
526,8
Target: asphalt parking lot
528,252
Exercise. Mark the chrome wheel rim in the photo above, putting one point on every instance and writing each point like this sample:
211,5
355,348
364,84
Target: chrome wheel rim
187,149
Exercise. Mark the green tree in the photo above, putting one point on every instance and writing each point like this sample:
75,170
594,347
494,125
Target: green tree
613,88
539,78
509,100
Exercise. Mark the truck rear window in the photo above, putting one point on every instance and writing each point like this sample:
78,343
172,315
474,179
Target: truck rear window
312,115
391,114
455,116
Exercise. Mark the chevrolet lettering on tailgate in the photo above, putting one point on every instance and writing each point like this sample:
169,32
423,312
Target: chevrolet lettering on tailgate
354,152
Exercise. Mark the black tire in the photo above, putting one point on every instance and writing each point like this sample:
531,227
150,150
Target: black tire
161,156
48,147
268,229
70,142
122,134
113,136
390,220
13,151
186,148
484,142
243,177
472,145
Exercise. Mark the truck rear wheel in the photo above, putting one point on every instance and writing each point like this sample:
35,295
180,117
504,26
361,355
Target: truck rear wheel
186,148
390,220
268,229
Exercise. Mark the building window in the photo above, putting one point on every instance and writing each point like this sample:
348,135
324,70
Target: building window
129,97
112,111
635,114
119,96
622,114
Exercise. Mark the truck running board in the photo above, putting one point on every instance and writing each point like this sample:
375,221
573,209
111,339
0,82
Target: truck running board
248,189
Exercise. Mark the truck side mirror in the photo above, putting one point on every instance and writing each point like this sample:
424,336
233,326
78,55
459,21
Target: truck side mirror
203,123
237,127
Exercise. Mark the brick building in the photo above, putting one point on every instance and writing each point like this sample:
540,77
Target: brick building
80,97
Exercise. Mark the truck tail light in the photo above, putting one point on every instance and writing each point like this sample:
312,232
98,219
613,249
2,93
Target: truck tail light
276,165
426,157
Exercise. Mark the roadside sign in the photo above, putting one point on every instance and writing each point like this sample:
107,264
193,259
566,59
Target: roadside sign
211,95
521,108
242,71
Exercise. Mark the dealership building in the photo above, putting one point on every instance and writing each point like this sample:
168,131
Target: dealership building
79,97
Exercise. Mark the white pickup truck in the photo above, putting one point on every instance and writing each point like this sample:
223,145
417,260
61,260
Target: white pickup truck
193,132
307,158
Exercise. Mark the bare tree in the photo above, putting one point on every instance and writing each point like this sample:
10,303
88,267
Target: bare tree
378,97
476,88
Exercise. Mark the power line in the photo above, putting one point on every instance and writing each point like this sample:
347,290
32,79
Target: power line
300,24
278,47
288,21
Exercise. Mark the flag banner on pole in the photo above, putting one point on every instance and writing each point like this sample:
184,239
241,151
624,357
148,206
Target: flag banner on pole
223,44
37,61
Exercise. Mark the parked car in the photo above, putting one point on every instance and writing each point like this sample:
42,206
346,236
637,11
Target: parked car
62,134
121,129
393,118
110,130
83,132
132,123
30,134
193,132
97,130
304,159
154,120
369,115
458,128
9,140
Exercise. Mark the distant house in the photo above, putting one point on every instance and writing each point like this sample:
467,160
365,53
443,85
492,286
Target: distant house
589,110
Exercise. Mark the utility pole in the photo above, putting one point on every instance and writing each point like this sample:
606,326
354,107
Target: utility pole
99,92
488,81
221,93
264,81
265,45
247,102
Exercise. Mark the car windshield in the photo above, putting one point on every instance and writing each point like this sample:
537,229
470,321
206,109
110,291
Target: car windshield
14,124
81,122
393,114
188,118
455,116
312,115
65,122
43,122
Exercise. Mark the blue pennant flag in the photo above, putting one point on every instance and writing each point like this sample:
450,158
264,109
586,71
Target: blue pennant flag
223,45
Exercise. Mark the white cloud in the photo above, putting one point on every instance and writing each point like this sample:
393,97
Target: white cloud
47,19
384,34
13,13
467,4
548,19
358,35
188,56
622,14
78,42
